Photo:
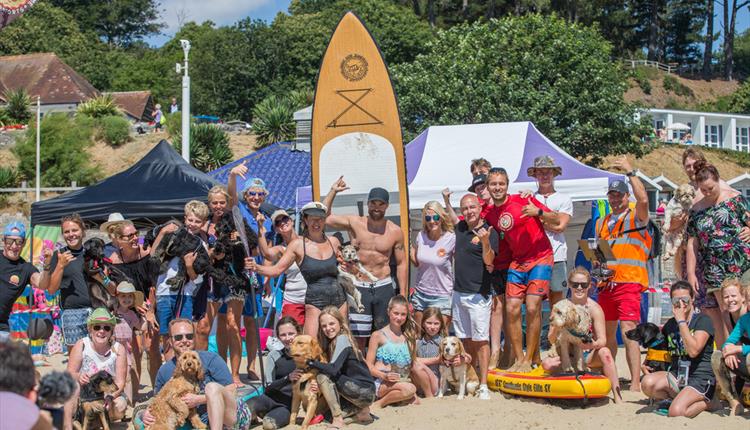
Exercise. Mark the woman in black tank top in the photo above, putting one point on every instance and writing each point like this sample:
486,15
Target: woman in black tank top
315,254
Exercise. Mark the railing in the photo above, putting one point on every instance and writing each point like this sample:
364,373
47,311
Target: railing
24,188
669,68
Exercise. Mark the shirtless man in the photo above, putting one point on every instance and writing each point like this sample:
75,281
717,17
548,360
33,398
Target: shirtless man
377,239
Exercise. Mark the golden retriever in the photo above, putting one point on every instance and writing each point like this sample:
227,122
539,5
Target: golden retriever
168,408
303,349
462,378
573,324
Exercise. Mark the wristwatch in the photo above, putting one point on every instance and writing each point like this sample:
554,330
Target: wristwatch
540,213
631,173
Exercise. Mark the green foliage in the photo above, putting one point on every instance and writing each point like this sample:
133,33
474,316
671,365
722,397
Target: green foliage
739,102
17,106
671,84
4,118
9,177
113,129
173,125
463,80
643,77
209,147
273,121
99,107
64,157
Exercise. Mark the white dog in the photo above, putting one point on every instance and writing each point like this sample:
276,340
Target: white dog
462,378
678,205
346,279
573,324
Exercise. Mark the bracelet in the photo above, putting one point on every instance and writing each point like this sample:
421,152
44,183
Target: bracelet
45,268
106,281
681,322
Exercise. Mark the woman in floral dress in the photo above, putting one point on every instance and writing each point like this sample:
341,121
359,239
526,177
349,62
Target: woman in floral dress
713,240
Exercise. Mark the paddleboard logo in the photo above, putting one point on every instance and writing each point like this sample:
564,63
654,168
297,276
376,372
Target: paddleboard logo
505,221
354,67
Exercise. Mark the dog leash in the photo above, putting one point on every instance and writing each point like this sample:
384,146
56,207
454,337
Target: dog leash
274,299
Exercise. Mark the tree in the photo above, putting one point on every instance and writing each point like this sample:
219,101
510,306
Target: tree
118,22
17,109
730,22
708,48
538,77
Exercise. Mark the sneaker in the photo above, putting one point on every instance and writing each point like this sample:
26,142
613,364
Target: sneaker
484,392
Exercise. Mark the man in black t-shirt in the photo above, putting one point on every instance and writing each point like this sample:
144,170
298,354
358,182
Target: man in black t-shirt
472,302
15,274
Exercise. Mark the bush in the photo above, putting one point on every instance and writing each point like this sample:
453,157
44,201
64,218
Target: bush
173,125
64,156
9,177
643,76
273,121
99,107
114,129
4,118
671,84
17,108
209,147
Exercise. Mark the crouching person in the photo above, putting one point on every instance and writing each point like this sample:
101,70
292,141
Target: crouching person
217,404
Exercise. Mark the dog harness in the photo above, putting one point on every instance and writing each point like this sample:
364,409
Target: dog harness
659,355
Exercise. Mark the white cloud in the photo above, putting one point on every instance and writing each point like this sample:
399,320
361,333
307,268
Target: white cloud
222,12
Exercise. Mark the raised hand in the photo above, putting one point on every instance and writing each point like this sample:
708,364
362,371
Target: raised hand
339,185
240,169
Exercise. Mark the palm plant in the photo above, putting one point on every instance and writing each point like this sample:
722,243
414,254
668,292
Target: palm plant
99,107
209,147
273,121
17,108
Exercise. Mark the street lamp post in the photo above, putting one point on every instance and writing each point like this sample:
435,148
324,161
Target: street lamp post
185,102
38,145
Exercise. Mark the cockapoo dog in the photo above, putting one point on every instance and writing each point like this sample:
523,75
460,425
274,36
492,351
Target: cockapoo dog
462,378
168,408
346,279
303,349
678,205
573,324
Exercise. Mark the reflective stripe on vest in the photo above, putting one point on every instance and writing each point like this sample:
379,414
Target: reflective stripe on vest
631,249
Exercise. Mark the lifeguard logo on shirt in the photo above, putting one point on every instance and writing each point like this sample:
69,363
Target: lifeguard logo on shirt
14,279
475,240
441,252
505,222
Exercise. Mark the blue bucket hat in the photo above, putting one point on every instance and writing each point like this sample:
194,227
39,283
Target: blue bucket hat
254,183
15,228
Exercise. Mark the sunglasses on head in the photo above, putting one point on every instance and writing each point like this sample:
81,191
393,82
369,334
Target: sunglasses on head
17,242
578,285
282,220
677,300
129,236
435,218
179,337
102,327
255,193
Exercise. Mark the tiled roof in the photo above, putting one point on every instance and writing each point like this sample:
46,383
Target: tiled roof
137,104
283,170
44,75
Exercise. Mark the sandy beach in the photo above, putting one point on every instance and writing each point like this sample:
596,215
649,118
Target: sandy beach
513,412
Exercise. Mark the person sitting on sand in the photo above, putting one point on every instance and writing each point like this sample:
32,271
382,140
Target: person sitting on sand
687,388
598,355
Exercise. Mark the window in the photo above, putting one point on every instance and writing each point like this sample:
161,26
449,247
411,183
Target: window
742,142
747,193
658,124
682,134
714,135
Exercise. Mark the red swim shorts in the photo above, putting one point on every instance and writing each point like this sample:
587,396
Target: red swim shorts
294,310
530,278
621,301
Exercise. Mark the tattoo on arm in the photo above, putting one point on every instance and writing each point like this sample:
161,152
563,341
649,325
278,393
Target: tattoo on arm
399,246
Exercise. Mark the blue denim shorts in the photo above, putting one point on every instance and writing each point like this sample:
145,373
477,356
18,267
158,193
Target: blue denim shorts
74,324
166,310
422,301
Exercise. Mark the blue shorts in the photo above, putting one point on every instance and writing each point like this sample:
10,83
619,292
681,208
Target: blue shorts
422,301
74,325
166,310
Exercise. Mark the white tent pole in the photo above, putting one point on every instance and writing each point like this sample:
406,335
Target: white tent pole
38,142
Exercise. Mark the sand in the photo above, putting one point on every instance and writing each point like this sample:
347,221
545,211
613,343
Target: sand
503,411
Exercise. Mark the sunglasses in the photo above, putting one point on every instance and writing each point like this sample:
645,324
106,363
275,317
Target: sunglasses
255,193
128,236
106,328
579,285
179,337
17,242
282,220
677,300
435,218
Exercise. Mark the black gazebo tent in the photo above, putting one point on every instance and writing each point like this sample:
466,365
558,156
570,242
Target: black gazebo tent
153,190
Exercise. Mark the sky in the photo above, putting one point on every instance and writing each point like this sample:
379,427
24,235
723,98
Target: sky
227,12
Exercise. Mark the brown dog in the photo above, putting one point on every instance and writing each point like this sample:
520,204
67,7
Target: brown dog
303,349
168,408
462,378
573,324
95,399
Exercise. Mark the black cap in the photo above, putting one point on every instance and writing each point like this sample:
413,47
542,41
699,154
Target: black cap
618,186
478,180
378,193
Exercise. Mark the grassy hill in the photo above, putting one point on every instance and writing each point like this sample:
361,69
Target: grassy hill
653,88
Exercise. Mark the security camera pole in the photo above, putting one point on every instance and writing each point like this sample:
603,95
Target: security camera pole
185,101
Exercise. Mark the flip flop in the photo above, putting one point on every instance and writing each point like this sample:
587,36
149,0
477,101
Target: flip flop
354,420
317,419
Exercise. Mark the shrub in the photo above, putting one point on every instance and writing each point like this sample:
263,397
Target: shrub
8,177
273,121
64,155
4,118
642,76
17,108
99,107
113,129
209,147
173,125
671,84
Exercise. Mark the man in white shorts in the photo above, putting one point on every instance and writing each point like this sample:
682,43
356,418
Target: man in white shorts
472,301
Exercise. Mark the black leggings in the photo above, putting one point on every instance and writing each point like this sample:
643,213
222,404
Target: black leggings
268,408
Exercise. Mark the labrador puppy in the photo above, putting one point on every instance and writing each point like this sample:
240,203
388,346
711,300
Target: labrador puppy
303,349
649,336
462,378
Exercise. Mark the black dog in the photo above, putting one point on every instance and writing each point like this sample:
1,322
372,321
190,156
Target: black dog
178,244
94,269
96,396
229,253
649,336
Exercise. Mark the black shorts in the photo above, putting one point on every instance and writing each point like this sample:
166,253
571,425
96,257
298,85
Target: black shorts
325,292
356,393
499,280
704,385
375,298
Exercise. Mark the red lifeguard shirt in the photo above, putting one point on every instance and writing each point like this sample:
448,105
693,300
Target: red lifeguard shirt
521,237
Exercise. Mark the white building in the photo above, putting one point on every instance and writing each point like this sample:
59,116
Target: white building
717,130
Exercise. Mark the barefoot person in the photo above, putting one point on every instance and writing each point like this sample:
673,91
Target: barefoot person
626,231
599,357
520,221
688,387
378,239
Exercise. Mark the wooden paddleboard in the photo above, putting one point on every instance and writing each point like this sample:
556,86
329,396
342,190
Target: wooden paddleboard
356,131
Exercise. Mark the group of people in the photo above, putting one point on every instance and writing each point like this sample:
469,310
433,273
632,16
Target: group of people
478,272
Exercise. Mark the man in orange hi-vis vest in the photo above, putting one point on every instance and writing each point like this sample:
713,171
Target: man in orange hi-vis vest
626,231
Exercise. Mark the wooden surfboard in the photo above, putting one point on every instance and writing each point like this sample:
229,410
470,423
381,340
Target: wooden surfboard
356,131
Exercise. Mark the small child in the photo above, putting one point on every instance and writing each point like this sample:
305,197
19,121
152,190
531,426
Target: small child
129,325
428,347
